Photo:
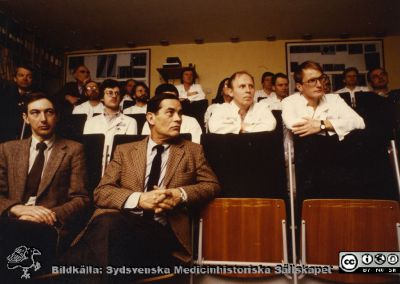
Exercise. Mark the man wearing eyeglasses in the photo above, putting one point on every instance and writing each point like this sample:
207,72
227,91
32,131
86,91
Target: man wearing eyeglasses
111,122
311,111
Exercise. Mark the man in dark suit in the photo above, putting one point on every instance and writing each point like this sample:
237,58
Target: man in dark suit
12,97
145,194
42,184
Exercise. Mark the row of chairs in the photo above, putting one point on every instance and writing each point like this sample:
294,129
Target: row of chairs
239,231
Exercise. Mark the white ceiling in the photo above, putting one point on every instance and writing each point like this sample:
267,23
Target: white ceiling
83,24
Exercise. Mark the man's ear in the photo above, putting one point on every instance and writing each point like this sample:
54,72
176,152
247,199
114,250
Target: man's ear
230,92
25,117
299,87
273,88
15,79
150,117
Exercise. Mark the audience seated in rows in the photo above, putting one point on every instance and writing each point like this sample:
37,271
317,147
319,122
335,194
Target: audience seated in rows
188,89
241,114
111,121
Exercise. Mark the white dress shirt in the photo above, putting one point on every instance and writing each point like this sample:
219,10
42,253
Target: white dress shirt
189,125
331,107
261,94
194,88
208,114
272,102
136,109
88,109
110,126
352,92
226,119
33,152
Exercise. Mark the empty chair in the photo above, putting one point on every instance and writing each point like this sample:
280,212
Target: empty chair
127,104
333,226
93,146
243,231
247,165
140,120
347,98
72,126
196,109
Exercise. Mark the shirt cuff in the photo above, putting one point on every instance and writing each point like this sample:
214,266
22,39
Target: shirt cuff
184,196
133,201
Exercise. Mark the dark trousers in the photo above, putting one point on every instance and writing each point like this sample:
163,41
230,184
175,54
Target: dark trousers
124,239
26,244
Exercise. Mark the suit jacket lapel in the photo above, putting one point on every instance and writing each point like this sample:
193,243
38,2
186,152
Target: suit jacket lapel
175,157
138,160
53,163
21,168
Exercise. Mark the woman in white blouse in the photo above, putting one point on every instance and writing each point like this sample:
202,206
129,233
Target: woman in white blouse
188,90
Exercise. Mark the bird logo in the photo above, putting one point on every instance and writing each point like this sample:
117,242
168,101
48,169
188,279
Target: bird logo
24,258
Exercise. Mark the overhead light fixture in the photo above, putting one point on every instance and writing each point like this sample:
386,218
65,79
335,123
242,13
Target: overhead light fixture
270,37
164,42
307,36
131,44
235,39
199,40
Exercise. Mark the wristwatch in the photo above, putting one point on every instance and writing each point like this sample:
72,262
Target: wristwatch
322,126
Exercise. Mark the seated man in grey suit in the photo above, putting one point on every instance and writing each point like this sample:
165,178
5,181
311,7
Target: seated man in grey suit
42,184
144,197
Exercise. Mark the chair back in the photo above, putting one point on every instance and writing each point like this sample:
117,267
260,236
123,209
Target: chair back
333,226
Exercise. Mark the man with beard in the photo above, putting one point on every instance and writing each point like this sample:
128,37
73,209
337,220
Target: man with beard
93,105
141,95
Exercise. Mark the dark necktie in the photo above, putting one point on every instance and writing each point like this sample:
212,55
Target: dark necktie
154,175
155,168
34,176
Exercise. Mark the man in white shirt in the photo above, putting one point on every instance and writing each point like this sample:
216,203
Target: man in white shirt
188,90
93,105
141,93
311,111
241,114
267,89
189,124
111,122
280,85
351,84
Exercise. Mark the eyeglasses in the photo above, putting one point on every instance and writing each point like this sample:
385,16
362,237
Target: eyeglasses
92,88
313,82
111,93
